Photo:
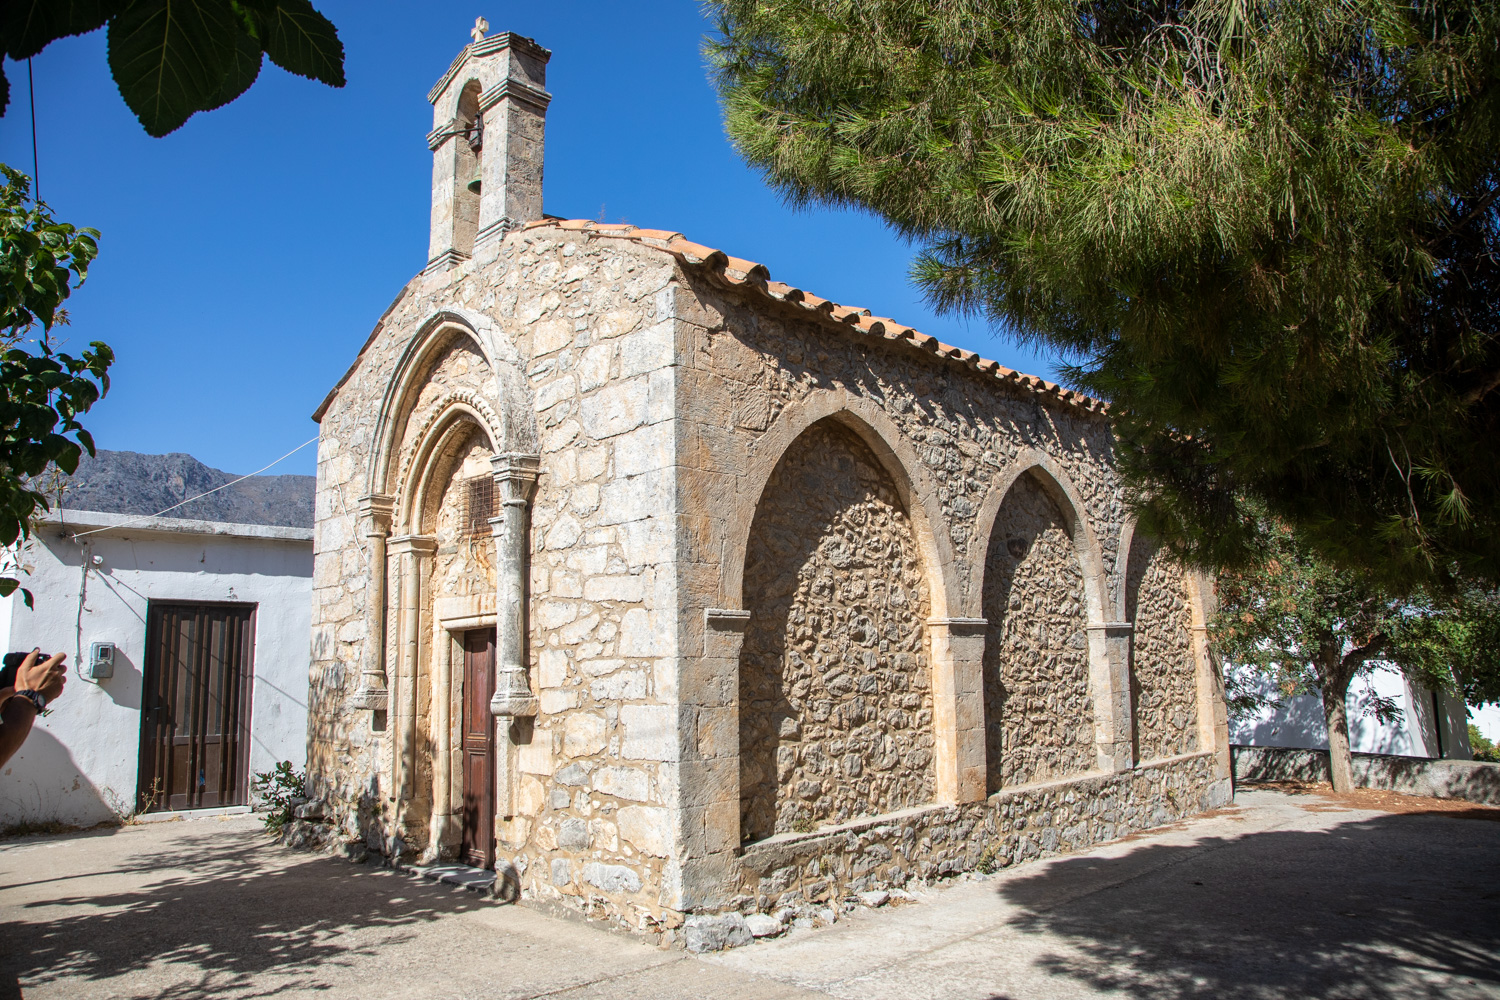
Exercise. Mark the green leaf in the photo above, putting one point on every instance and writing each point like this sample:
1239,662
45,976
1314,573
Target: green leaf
28,26
4,90
66,456
301,41
170,58
242,69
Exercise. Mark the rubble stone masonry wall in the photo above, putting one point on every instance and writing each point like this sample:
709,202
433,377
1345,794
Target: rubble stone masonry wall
1162,680
760,386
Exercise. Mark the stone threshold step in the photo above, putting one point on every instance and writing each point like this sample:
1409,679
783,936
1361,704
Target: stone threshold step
473,879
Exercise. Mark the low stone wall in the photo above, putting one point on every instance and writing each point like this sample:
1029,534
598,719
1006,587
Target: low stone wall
801,871
1472,781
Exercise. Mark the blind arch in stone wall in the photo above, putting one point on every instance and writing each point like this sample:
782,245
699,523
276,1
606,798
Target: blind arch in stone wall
835,685
1039,702
873,426
1163,668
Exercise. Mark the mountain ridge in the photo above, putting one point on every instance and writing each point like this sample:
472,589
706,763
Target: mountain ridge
129,482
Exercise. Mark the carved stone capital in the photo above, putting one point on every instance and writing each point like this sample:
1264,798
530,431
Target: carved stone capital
421,545
516,474
376,509
518,91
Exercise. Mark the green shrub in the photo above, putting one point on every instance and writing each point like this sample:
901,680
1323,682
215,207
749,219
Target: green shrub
282,788
1483,747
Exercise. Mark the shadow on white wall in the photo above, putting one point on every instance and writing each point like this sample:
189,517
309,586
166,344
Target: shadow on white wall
43,782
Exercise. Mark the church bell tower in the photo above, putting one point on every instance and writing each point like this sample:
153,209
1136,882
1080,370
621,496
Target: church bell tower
489,114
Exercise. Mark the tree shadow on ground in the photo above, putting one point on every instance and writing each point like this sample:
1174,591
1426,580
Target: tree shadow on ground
1392,907
225,911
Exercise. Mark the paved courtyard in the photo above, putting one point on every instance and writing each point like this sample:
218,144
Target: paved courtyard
1278,896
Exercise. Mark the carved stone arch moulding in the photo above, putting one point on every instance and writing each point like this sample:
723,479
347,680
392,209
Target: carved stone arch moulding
1059,486
446,417
880,434
516,431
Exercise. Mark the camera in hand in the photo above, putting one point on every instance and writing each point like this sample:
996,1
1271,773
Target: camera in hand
11,662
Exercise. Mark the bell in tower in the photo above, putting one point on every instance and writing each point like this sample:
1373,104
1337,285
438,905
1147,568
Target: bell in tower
476,145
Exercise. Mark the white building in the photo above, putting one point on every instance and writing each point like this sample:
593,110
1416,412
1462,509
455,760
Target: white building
205,629
1427,723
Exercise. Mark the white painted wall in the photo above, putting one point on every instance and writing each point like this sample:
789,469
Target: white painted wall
1298,722
79,764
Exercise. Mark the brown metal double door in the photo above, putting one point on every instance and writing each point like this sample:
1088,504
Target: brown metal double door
195,706
478,846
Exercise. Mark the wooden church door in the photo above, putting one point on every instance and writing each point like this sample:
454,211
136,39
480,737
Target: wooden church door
478,847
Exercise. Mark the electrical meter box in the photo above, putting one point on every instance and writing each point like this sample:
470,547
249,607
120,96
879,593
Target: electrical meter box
101,660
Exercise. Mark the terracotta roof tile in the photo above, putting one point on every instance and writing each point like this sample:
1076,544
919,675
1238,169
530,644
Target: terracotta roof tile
739,272
667,237
695,251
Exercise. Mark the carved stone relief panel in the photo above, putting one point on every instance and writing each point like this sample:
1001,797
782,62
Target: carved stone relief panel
835,692
464,563
1039,715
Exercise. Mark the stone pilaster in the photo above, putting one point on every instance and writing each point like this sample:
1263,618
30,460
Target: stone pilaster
956,648
1109,653
1213,712
375,517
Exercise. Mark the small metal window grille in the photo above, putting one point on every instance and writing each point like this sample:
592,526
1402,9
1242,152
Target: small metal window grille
479,505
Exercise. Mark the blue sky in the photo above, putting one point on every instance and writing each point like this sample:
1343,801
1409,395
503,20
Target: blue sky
246,256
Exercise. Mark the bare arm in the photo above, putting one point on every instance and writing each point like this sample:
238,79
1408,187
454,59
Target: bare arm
17,714
15,725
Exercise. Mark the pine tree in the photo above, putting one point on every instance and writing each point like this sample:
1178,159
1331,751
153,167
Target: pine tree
1266,232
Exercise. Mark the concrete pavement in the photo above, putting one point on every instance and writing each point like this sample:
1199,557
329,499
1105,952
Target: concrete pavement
1280,896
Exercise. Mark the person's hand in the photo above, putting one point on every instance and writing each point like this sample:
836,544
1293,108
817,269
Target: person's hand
46,677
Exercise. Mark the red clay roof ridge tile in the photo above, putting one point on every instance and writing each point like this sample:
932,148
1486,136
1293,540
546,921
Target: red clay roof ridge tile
739,272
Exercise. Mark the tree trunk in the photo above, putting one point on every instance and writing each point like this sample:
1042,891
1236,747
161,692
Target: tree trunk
1335,687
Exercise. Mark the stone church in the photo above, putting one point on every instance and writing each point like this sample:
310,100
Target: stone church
663,588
